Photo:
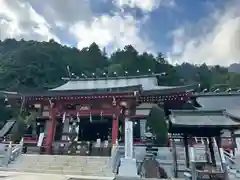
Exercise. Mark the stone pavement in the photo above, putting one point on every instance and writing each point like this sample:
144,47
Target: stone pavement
6,175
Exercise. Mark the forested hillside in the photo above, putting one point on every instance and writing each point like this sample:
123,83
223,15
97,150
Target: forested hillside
31,65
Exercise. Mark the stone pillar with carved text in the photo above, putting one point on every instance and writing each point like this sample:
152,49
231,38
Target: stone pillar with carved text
128,166
128,138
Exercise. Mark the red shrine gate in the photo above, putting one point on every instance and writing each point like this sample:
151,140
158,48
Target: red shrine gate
110,105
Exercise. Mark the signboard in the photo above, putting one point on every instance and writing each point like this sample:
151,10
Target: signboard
84,107
40,139
143,127
161,102
98,143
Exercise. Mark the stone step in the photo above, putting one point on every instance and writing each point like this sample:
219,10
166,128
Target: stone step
65,165
72,162
90,171
67,168
82,173
63,170
76,165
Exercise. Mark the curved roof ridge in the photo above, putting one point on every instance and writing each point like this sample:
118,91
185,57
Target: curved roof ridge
233,113
215,94
114,77
198,112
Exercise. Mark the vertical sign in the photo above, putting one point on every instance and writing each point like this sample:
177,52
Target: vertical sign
40,139
142,128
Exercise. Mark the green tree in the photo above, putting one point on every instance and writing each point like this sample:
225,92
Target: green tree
5,114
31,65
158,125
18,129
115,68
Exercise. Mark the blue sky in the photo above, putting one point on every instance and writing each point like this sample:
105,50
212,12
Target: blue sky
196,31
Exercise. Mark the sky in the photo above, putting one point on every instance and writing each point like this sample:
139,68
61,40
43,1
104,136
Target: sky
195,31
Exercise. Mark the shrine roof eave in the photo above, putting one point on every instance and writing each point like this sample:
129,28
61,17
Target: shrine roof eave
215,119
196,131
216,94
112,91
164,90
115,77
4,94
182,126
233,114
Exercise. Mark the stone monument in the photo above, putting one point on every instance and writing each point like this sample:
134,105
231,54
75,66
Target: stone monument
128,166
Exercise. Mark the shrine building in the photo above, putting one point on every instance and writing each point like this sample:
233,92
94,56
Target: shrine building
100,106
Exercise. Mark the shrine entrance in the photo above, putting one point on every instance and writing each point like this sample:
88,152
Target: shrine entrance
96,128
83,135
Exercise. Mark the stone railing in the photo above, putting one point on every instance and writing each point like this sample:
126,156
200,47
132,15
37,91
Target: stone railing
116,155
12,152
164,156
82,148
230,159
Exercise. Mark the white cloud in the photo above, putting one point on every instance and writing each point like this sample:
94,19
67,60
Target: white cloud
64,13
215,40
44,20
115,31
178,41
144,5
19,20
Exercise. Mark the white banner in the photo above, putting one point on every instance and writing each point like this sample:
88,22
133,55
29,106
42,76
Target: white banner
40,139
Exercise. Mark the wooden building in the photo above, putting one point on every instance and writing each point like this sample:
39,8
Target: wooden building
100,106
208,125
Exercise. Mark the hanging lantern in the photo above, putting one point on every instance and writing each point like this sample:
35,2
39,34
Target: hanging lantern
114,115
127,112
101,115
64,117
6,99
6,103
123,103
90,118
114,103
78,117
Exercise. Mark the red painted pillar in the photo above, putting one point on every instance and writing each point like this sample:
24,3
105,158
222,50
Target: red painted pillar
51,129
114,129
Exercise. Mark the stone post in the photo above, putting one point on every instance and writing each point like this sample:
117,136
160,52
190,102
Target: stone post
128,165
128,139
193,163
223,163
7,156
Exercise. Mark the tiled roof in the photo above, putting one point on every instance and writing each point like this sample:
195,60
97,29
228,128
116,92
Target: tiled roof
145,82
6,128
219,101
204,118
148,83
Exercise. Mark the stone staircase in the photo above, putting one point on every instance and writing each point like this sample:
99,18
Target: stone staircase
66,165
